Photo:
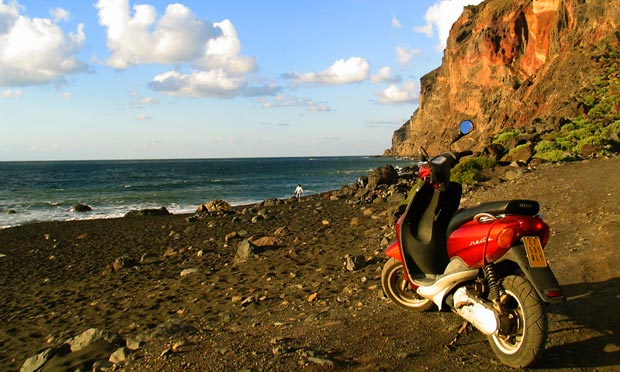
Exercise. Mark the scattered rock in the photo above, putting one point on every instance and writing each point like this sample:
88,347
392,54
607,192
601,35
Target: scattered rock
123,262
146,256
321,361
353,263
148,212
265,241
244,251
257,218
355,221
93,346
216,205
35,363
119,356
92,335
170,252
81,208
189,271
231,236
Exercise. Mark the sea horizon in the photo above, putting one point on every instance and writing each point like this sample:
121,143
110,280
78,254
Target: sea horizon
207,158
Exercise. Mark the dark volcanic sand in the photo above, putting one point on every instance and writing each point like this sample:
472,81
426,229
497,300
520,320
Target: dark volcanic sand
294,306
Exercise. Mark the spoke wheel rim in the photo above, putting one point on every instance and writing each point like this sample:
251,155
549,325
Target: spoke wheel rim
402,290
511,343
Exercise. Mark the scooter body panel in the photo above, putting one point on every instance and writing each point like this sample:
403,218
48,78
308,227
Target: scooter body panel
393,251
476,242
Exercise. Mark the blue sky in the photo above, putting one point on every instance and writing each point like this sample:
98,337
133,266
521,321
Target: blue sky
118,79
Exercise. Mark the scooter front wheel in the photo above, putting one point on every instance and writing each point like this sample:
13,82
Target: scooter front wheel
524,342
399,290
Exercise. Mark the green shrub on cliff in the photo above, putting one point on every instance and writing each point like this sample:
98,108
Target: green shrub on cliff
551,151
503,138
468,170
601,117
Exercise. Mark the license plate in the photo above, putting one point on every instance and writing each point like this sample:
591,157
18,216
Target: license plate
535,253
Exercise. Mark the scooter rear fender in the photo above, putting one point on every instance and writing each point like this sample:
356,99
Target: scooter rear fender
542,278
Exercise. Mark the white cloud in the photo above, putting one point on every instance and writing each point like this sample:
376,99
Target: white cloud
143,117
138,101
395,22
441,16
212,83
288,101
66,95
8,14
223,52
404,55
138,38
212,50
35,50
384,74
352,70
408,92
148,101
10,93
60,14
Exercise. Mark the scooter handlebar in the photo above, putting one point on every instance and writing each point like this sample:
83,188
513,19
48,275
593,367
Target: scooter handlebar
461,154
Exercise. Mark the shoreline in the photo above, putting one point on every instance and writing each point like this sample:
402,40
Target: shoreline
89,216
116,189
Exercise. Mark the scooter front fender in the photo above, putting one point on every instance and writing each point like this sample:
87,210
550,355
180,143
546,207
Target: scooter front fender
542,278
394,252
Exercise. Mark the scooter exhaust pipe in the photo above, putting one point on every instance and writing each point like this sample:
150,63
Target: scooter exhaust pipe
476,311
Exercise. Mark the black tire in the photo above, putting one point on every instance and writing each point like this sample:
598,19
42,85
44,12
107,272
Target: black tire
398,289
525,341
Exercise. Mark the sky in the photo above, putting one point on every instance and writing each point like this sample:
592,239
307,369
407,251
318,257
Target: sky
119,79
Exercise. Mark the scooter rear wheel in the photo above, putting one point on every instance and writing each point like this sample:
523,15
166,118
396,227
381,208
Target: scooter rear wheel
399,290
525,341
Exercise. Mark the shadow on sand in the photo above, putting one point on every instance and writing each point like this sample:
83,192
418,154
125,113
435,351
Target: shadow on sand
590,321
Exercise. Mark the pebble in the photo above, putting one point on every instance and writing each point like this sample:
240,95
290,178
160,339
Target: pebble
189,271
321,361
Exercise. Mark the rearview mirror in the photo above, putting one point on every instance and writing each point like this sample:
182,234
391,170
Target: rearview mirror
466,127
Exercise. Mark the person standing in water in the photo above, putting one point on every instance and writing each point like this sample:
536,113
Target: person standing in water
299,191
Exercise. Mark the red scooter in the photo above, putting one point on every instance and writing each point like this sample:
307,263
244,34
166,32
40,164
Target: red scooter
486,263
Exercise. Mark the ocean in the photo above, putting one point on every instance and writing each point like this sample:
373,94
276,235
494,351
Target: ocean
33,191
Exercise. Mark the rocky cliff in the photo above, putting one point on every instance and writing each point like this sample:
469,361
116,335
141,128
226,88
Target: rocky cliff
511,64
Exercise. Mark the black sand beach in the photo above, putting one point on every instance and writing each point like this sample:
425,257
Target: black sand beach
173,288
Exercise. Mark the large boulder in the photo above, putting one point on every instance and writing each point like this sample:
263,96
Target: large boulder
385,175
148,212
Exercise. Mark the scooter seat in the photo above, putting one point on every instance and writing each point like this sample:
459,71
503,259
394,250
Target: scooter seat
515,206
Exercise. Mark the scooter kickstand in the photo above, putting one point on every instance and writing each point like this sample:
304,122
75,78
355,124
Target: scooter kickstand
452,345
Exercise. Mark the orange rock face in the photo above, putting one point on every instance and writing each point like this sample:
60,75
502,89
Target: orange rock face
509,63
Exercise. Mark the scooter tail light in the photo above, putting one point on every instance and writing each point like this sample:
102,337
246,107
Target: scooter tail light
544,238
554,293
505,238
